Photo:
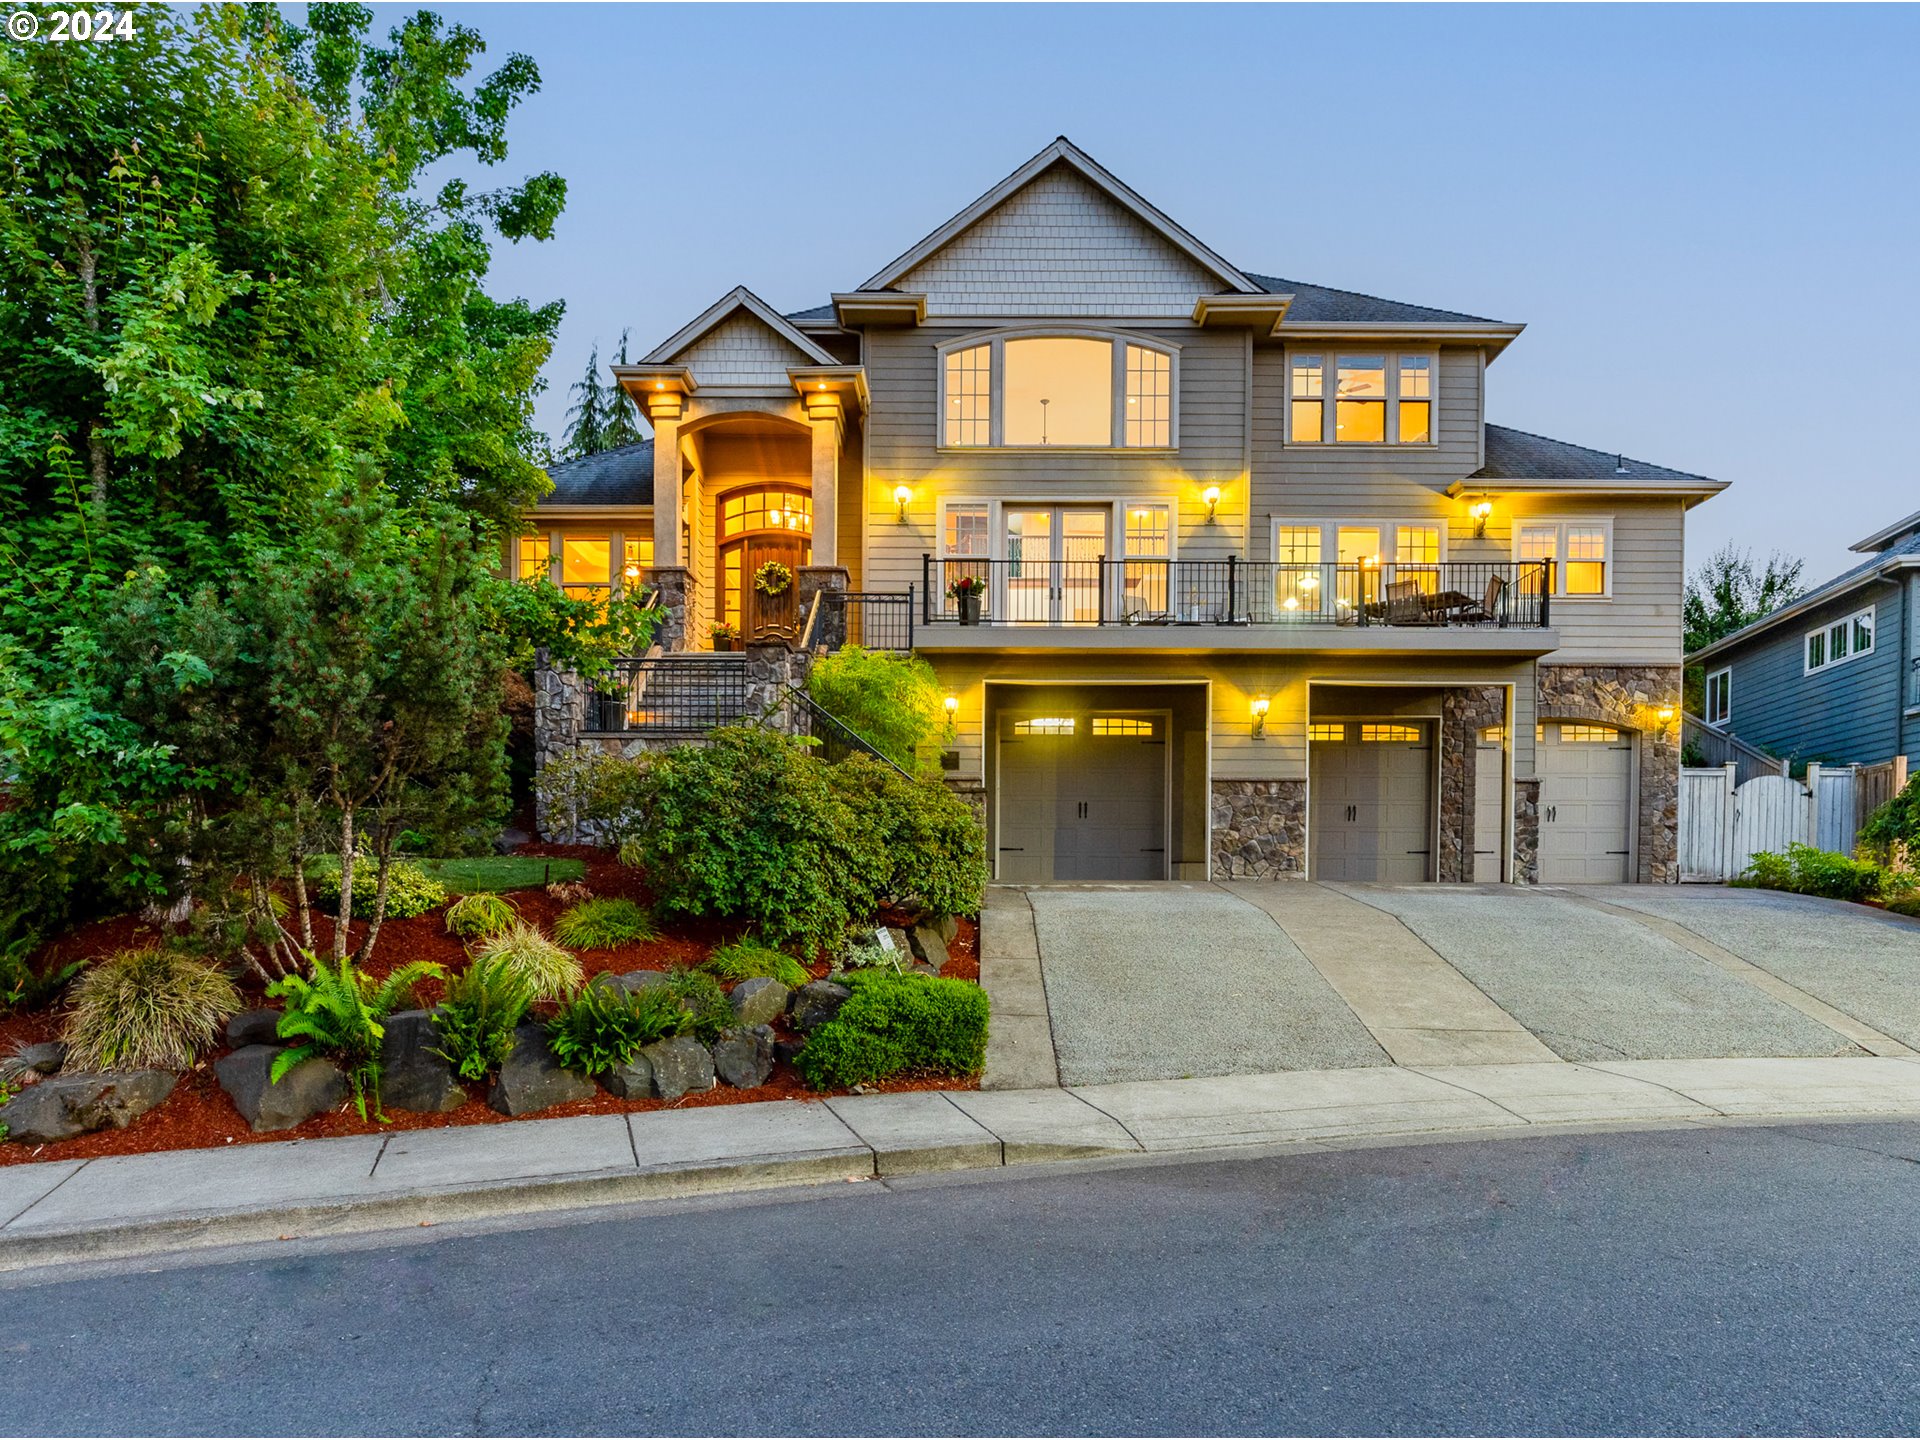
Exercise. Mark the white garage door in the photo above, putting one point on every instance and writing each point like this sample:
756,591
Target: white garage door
1082,796
1585,803
1371,786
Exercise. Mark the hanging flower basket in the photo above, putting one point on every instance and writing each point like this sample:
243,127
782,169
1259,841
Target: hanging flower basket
773,578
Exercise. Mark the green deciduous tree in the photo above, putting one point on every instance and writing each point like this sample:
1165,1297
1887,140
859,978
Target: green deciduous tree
1730,590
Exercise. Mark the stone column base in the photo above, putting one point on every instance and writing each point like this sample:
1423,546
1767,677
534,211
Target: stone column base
675,586
1259,829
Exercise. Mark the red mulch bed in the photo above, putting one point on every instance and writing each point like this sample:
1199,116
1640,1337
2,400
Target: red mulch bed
198,1115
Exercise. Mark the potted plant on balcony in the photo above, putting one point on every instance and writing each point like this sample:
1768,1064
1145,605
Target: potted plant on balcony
965,593
725,636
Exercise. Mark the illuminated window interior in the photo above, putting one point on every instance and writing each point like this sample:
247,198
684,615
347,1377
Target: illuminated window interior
1579,547
1325,732
1044,725
1390,734
772,508
1378,398
637,558
1149,397
1360,399
1493,734
969,533
536,557
969,417
1588,735
1118,725
1058,390
586,563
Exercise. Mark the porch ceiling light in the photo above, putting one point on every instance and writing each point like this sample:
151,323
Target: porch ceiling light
1259,708
901,495
1212,496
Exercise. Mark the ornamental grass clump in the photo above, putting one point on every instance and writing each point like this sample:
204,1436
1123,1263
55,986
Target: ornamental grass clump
476,1021
604,1027
748,959
552,973
602,924
337,1014
474,917
146,1009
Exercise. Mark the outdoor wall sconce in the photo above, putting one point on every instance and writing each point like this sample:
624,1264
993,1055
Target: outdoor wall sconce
1212,496
901,495
1259,708
1480,510
952,702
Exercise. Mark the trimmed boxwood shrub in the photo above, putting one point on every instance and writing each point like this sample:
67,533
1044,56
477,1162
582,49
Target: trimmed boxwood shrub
410,890
1806,870
898,1025
754,828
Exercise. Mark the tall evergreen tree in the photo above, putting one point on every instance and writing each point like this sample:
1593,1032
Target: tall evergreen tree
587,419
623,416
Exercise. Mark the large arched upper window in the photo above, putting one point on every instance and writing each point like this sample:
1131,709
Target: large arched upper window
1058,391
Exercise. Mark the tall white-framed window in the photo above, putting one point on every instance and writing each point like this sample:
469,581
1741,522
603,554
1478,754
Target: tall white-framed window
1719,698
1380,397
1581,552
1068,390
1324,566
1146,538
1840,641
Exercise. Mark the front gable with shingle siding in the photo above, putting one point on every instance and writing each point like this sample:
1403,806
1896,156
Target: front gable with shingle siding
742,351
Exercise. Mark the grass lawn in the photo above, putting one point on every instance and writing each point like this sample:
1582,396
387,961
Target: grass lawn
465,876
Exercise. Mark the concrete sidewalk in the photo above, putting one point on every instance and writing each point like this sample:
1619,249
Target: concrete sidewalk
130,1205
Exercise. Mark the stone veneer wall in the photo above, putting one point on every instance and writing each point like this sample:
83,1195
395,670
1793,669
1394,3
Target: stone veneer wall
1526,831
1259,829
1627,696
1464,712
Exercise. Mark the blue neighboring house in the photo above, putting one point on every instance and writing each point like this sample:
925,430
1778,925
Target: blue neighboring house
1835,676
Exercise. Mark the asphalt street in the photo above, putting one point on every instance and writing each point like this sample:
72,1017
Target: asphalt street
1718,1281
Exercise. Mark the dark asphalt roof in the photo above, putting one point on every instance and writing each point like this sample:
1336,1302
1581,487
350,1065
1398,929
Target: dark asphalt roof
1517,455
1316,304
613,477
818,312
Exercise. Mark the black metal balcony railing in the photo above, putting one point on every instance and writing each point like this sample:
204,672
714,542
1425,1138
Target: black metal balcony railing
872,619
1236,592
679,694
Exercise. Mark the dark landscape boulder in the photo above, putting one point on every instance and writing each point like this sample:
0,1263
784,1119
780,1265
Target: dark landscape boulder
816,1003
63,1106
632,1081
311,1088
759,1000
44,1058
631,982
532,1079
896,941
254,1027
929,946
681,1066
744,1057
788,1051
412,1077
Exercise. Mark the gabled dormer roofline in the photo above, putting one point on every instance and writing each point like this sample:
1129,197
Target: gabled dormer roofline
1883,539
737,299
1064,152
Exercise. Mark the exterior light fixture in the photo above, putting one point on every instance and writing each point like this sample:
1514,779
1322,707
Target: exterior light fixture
1480,511
952,702
1290,603
1666,714
1212,496
659,384
632,572
901,495
1259,708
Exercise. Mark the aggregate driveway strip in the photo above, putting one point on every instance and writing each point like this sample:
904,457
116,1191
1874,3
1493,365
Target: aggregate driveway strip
1597,986
1167,981
1855,958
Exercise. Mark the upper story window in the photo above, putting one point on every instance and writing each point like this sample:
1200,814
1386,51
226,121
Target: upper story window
1719,698
1379,397
1840,641
1057,391
1582,552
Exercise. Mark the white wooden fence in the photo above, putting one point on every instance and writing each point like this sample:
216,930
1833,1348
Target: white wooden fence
1725,822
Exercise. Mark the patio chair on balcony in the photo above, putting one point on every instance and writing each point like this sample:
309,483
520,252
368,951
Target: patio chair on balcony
1406,605
1489,610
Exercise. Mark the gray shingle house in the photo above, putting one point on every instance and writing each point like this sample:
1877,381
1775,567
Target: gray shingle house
1835,676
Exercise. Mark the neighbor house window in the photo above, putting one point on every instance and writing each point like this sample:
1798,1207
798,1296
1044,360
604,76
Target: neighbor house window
1719,697
1846,639
1581,552
1380,397
1058,391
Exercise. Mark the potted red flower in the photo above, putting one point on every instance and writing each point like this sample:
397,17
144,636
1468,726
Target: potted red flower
725,636
965,593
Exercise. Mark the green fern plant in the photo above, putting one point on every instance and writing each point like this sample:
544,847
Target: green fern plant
337,1014
747,958
20,988
474,917
602,924
553,973
146,1009
603,1027
476,1021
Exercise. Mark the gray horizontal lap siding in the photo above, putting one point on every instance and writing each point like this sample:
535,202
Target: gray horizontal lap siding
1844,714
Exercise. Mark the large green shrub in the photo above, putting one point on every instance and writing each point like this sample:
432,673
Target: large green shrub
603,1027
141,1009
935,848
1806,870
892,701
1896,823
898,1025
410,890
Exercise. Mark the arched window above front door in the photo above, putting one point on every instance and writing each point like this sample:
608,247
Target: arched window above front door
770,507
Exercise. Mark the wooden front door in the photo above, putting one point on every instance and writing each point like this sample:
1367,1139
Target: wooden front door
762,615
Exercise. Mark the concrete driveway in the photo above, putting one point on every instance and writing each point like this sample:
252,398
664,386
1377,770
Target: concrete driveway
1148,982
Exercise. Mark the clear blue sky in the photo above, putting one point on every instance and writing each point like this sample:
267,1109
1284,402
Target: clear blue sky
1708,217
